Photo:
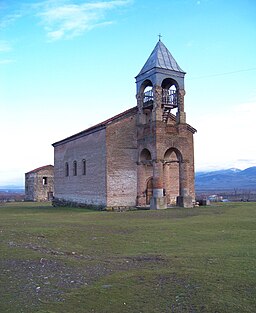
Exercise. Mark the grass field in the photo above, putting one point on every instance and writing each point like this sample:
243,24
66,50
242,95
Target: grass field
59,260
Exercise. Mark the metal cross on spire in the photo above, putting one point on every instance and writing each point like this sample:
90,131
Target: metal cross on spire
160,36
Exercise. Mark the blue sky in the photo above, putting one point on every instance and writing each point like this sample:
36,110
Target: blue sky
66,65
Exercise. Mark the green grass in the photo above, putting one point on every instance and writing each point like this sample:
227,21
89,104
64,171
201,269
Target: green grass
168,261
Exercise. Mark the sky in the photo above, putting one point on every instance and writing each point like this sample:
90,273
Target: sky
66,65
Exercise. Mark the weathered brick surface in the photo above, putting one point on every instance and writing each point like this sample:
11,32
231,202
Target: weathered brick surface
116,174
121,162
168,137
111,169
89,188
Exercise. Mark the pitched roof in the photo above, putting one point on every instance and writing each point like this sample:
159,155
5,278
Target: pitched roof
97,127
161,58
40,168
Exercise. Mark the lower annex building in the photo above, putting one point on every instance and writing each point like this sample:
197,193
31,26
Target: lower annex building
39,184
141,157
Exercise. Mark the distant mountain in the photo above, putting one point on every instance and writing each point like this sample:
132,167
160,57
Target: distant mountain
228,179
249,172
12,188
232,178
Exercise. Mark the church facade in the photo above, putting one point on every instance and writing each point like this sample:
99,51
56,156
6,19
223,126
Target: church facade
141,157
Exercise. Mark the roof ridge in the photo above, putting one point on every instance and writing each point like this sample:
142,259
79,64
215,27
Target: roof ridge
39,168
160,48
97,126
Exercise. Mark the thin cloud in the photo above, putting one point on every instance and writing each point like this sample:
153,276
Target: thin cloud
5,46
10,13
6,61
65,20
9,19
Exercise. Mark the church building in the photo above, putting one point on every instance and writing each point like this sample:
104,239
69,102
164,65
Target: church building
138,158
39,184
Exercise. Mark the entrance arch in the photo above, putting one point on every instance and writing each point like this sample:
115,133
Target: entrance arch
144,178
149,190
172,170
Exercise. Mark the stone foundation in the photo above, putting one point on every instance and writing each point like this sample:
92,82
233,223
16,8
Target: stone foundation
158,203
185,201
63,203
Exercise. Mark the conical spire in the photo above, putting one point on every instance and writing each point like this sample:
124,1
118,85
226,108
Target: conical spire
161,58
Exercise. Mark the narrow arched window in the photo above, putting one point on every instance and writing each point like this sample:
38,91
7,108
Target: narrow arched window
66,169
84,166
75,168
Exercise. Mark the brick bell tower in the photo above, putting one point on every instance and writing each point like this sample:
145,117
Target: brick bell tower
165,165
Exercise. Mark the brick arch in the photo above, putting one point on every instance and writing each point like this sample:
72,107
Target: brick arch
145,155
144,177
173,153
168,82
172,174
149,189
145,84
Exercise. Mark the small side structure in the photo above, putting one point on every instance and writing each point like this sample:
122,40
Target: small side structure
39,184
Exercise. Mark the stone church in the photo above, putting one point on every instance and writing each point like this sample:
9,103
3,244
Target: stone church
39,184
141,157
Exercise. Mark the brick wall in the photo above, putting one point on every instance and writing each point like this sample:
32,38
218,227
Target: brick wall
84,189
111,156
181,139
121,162
161,138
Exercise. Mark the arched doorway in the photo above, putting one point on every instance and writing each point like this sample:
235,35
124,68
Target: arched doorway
149,190
172,163
144,178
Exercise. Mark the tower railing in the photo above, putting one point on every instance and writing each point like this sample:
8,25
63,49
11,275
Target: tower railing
169,102
148,98
169,98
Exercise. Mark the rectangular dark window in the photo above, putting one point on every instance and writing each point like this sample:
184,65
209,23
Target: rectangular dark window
84,167
66,169
75,168
44,180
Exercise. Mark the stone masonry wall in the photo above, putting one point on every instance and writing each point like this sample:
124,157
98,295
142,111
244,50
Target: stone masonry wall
39,185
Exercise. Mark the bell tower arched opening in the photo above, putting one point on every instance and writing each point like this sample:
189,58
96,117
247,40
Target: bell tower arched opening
148,96
169,98
145,101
